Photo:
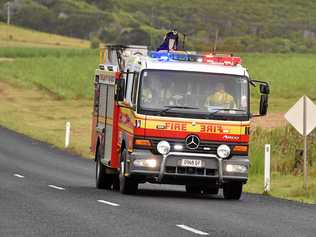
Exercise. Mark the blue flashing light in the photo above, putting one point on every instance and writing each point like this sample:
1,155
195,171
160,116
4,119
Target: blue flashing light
173,56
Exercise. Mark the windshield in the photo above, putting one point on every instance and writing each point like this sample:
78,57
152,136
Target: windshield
193,93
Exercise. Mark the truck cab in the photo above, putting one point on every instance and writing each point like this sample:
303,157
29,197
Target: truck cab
177,118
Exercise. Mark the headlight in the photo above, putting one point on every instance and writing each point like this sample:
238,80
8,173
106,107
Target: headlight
236,168
163,147
223,151
178,147
151,163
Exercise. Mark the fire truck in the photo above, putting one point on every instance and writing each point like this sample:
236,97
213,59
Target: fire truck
172,118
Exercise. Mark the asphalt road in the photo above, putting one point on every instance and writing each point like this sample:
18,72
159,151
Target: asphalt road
48,192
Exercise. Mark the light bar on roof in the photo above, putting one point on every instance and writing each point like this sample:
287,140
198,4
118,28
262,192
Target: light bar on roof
177,56
165,56
224,59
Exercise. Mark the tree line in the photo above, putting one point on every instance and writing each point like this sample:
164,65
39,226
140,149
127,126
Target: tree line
232,25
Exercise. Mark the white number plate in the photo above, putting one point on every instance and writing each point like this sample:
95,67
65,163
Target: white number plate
191,163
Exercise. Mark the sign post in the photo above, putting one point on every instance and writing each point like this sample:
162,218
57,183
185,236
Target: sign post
305,141
302,116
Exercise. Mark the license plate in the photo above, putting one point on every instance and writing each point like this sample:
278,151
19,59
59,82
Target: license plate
191,163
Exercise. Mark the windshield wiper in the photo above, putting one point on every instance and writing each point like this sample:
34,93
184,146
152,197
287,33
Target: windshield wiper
219,110
170,107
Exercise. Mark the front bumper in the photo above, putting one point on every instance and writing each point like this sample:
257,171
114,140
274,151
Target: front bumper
169,169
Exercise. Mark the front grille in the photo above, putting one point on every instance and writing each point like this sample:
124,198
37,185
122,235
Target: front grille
190,171
204,147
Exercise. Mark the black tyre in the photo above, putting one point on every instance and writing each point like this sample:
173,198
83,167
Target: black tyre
232,190
116,182
193,189
127,185
103,180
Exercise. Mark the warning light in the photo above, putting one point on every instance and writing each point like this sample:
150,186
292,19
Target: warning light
227,60
165,56
173,56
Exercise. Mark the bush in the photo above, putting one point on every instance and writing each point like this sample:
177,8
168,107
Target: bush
285,142
94,43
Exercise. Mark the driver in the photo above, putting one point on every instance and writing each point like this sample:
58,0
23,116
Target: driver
220,98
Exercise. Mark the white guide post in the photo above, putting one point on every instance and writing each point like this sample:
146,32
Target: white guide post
267,158
67,135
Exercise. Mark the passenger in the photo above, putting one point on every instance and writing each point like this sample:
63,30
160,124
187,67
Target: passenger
170,42
220,98
147,93
174,96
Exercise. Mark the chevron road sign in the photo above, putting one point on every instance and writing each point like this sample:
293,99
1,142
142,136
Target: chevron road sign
302,116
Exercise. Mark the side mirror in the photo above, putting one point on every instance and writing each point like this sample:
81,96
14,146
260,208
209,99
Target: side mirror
120,90
263,104
264,89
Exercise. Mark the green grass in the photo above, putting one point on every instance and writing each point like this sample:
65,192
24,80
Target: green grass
290,76
284,143
44,52
287,170
67,75
285,186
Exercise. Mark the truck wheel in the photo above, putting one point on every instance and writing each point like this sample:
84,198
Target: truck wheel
127,185
103,180
193,189
116,182
232,190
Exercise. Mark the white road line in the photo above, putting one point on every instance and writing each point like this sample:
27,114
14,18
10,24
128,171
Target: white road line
195,231
55,187
19,176
109,203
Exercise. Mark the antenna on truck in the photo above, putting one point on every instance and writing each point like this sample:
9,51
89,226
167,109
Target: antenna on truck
215,42
183,41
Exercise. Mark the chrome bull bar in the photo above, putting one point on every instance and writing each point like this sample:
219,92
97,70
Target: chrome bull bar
165,157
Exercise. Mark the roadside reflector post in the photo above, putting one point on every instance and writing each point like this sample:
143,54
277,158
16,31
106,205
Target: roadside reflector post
267,158
67,135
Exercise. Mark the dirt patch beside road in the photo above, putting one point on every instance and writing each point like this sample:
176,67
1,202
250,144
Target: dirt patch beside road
271,120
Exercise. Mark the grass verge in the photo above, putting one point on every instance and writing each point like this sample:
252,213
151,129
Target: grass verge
65,73
290,76
39,115
285,186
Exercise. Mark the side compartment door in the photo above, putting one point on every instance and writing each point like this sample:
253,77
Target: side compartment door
95,115
106,106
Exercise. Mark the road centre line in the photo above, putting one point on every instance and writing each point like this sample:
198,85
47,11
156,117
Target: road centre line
19,176
109,203
55,187
195,231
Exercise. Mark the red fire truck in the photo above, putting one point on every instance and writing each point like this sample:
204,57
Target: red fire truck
172,118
